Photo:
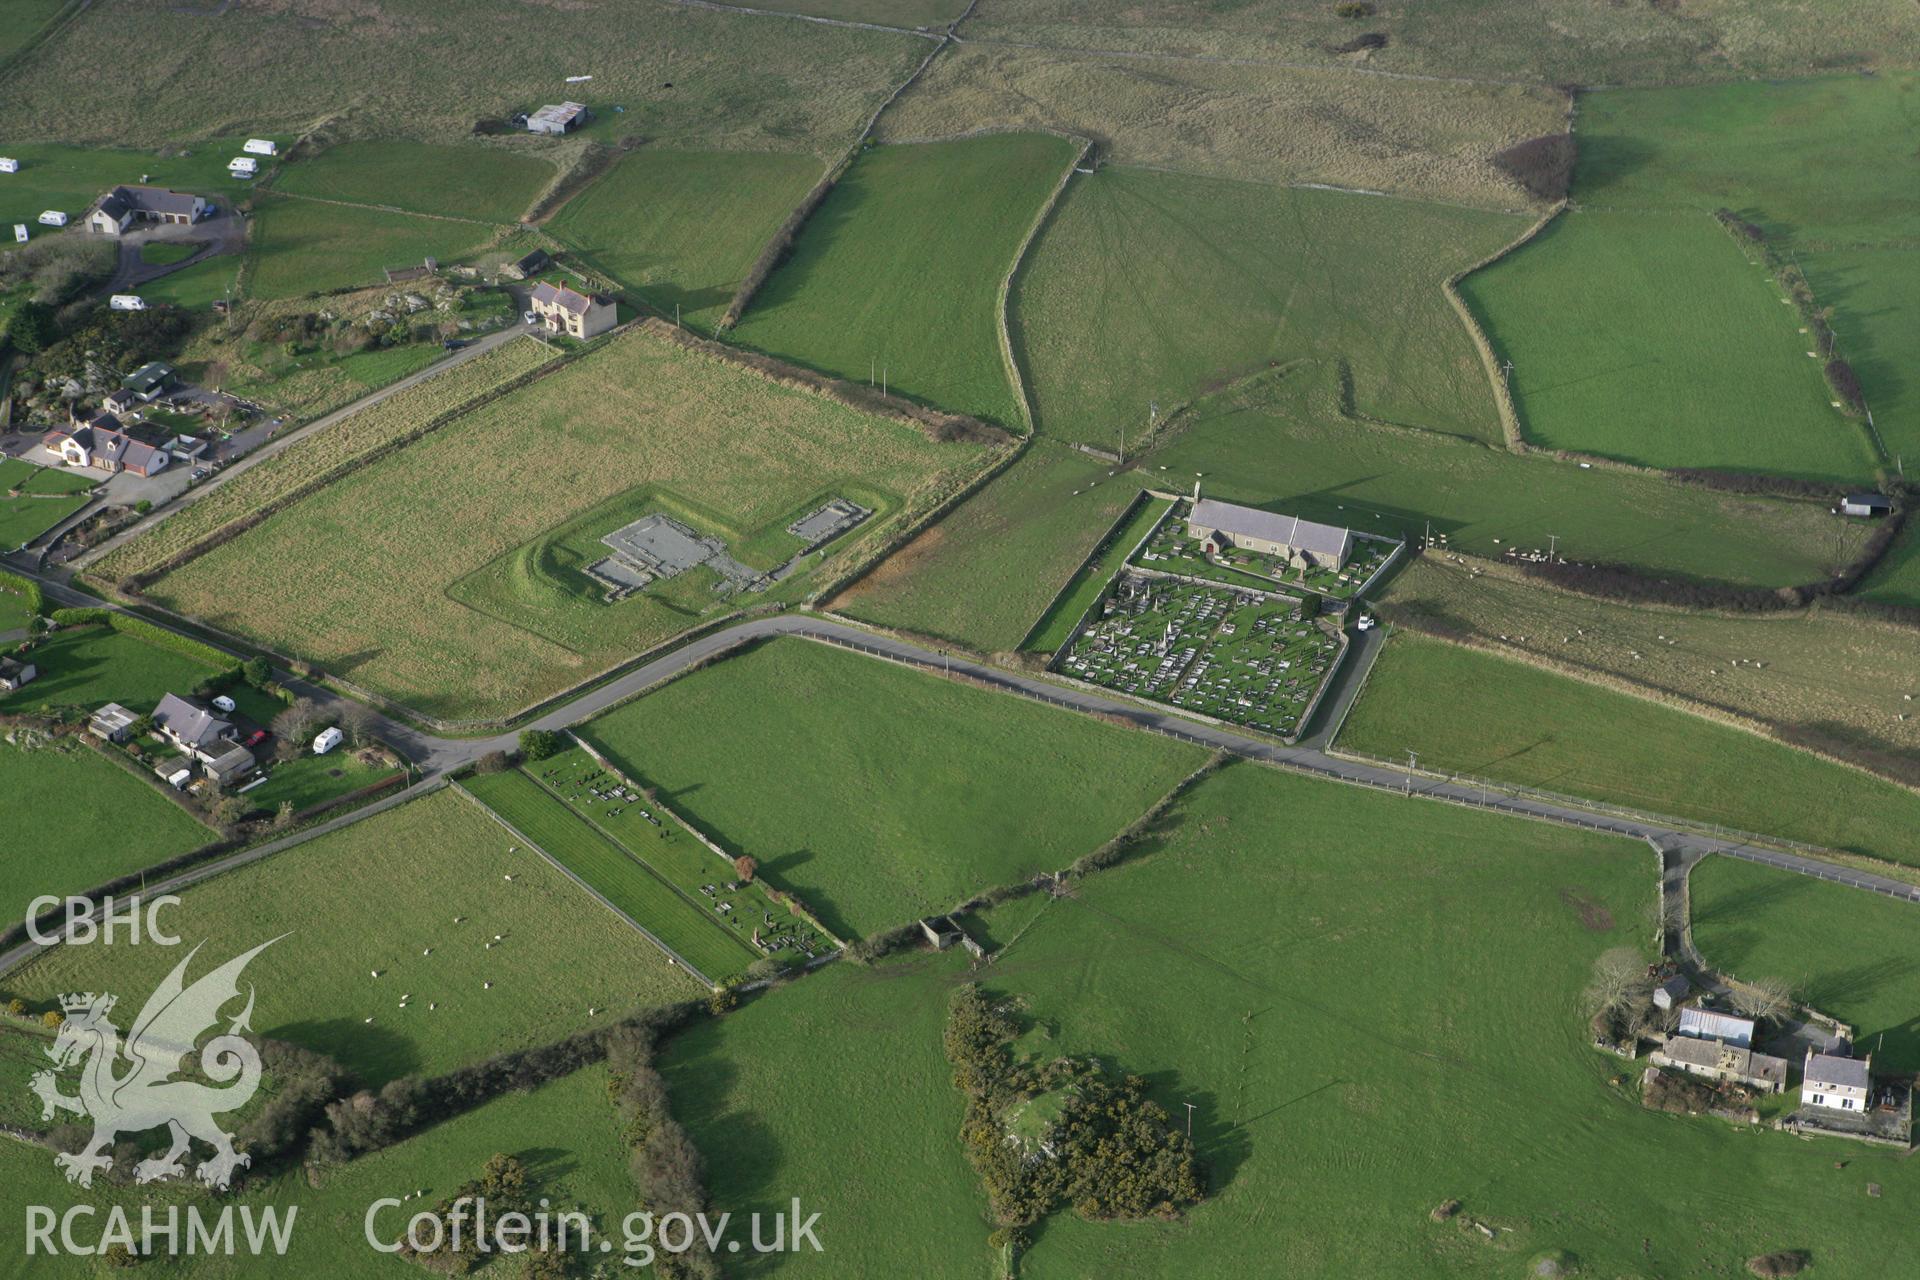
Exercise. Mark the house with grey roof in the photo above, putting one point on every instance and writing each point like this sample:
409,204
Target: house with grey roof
568,311
558,118
1721,1061
126,208
105,445
112,722
1301,543
1837,1083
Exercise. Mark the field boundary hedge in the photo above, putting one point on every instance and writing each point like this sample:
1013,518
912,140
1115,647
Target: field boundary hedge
1003,300
1503,401
141,629
22,586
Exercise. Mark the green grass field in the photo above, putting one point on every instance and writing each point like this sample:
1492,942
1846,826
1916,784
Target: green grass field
380,895
680,228
901,265
27,478
892,13
1149,287
1087,585
612,872
25,518
1650,337
499,612
1847,953
309,780
300,246
984,574
164,253
564,1134
69,178
25,20
878,794
490,184
85,667
55,845
1281,443
1469,712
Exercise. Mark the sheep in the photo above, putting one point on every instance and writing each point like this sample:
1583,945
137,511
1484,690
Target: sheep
486,986
369,1019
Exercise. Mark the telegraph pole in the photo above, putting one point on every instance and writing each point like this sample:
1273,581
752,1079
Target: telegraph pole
1553,548
1189,1107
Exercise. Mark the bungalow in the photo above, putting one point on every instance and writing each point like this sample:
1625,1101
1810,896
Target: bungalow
1718,1060
1839,1084
15,672
149,380
568,311
112,722
193,729
234,763
1303,544
558,118
125,207
105,446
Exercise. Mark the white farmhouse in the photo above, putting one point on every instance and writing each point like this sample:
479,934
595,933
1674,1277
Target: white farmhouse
1838,1084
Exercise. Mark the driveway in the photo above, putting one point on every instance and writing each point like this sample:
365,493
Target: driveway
222,231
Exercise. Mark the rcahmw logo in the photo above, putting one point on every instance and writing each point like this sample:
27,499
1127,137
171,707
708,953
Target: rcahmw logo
129,1087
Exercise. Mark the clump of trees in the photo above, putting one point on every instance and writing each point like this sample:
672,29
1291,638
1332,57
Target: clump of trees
538,744
503,1185
1543,166
1619,998
1112,1152
666,1165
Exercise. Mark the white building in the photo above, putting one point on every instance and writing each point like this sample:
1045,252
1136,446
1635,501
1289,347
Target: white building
329,739
243,166
1705,1024
557,118
1301,543
261,147
53,218
1839,1084
20,232
126,302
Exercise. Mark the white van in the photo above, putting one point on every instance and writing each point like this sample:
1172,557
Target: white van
327,741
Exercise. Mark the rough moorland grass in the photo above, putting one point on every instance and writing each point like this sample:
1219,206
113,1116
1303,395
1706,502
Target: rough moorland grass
1151,287
612,872
379,895
564,1133
69,178
56,844
1651,337
1846,953
892,13
1473,713
900,268
680,228
301,245
1281,441
488,183
25,518
430,68
312,457
84,667
876,793
477,519
986,571
1500,39
1820,670
1266,123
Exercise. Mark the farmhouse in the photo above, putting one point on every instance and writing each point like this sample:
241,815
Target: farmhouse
558,118
105,445
1301,543
14,673
1866,504
1839,1084
1719,1060
125,207
112,722
1705,1024
203,736
568,311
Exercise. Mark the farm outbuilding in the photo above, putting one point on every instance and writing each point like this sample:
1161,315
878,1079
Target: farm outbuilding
558,118
1866,504
15,672
1705,1024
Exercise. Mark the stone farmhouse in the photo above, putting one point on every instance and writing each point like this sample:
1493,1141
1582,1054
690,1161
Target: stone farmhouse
1722,1061
204,737
1303,544
125,208
568,311
104,444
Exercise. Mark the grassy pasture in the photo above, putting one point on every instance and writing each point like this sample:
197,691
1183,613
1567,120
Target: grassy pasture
1266,123
612,872
69,178
1282,441
1090,582
1497,39
876,793
497,613
1841,675
301,463
25,20
891,13
686,77
490,184
680,228
377,895
57,846
196,287
1154,287
26,517
564,1133
1846,953
901,265
1652,338
300,245
16,473
986,571
85,667
1490,717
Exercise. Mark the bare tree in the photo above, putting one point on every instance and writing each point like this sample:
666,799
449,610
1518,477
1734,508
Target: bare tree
1618,976
294,724
1767,1000
359,723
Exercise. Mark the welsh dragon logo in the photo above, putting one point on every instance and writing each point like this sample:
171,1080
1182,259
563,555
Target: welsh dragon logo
128,1088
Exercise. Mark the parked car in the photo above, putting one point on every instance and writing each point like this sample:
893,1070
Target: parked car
530,317
257,737
453,344
198,473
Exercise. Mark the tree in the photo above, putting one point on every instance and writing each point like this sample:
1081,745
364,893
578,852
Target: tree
358,723
1618,975
52,1018
538,744
283,817
31,329
1767,1000
257,671
297,721
743,868
492,762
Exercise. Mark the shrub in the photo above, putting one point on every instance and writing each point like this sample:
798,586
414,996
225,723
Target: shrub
538,744
1846,384
1543,166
